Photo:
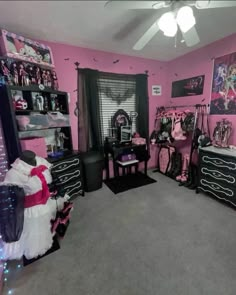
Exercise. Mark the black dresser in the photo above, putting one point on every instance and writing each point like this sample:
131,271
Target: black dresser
67,175
217,173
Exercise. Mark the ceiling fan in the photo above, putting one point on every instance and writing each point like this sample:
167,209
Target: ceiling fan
180,15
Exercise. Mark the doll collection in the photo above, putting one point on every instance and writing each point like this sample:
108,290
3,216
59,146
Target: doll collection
21,73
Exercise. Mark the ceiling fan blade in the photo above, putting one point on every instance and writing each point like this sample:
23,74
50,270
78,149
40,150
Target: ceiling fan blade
124,5
147,36
191,37
214,4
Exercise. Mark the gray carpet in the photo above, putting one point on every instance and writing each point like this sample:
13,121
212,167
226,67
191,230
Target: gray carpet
159,239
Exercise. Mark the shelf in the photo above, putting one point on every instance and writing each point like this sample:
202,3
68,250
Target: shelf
27,112
35,88
33,130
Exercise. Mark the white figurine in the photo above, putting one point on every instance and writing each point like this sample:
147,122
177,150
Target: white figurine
39,102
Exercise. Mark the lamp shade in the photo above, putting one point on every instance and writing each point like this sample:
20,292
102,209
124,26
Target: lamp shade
185,18
167,24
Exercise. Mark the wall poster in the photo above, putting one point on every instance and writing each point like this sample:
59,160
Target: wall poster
223,93
188,87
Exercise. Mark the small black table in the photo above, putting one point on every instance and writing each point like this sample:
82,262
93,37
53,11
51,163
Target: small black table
116,150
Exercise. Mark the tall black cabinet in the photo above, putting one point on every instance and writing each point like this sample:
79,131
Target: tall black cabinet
26,117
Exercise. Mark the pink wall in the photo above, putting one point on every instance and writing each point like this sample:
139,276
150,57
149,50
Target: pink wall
104,62
200,62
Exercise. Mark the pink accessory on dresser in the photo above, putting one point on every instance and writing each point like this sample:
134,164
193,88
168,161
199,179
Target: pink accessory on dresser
138,140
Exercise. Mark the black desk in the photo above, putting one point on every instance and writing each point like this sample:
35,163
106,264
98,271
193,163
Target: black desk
115,151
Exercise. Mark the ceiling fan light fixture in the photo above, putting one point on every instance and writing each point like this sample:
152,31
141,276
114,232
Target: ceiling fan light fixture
202,4
167,24
185,18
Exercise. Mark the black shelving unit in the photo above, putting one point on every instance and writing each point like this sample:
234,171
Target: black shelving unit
9,116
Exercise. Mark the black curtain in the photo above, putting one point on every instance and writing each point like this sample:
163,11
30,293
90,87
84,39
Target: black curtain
142,105
91,99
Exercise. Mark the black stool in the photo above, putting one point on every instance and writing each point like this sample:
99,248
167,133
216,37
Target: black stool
126,167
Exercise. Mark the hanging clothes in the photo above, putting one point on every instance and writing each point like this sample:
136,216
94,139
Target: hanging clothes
36,237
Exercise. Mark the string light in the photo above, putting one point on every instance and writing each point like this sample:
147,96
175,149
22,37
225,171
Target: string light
3,170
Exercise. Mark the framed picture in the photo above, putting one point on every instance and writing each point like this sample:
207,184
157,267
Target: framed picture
156,90
223,93
16,46
188,87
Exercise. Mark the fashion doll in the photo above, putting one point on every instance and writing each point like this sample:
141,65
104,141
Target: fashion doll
23,76
44,78
31,74
14,73
38,75
54,81
4,71
49,78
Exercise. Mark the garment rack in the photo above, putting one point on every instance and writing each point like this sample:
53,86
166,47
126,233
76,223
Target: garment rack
186,106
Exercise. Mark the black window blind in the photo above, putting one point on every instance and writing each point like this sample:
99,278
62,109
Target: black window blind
116,91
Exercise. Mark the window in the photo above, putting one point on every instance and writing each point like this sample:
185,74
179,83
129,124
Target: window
116,91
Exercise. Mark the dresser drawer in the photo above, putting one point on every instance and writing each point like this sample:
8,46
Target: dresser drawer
218,190
65,165
67,176
74,188
224,163
219,176
217,173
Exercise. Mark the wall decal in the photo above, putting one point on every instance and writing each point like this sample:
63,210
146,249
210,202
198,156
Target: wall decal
77,65
223,93
66,59
188,87
116,61
94,59
146,72
156,90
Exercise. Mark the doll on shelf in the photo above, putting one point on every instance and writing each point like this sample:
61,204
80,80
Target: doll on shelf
49,78
45,104
4,71
14,73
44,78
38,75
55,85
39,102
57,105
31,74
23,75
60,139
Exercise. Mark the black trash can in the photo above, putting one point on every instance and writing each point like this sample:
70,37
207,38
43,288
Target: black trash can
93,164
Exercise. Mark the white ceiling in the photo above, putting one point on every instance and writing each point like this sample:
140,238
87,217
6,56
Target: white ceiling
89,24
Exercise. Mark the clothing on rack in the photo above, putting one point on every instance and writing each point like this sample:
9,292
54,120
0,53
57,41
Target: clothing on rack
36,237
